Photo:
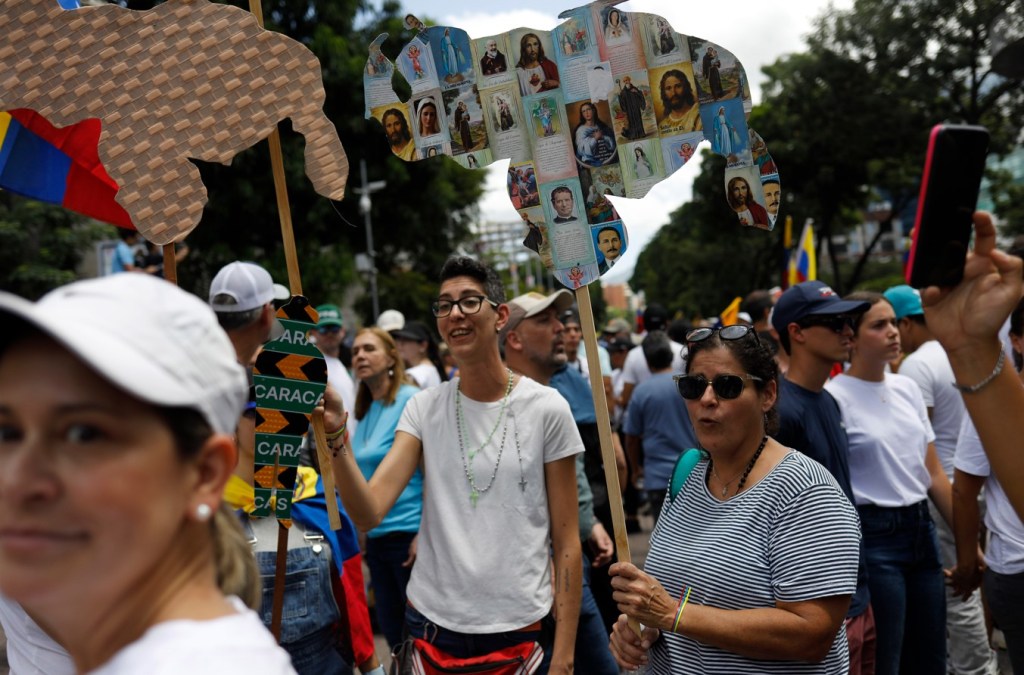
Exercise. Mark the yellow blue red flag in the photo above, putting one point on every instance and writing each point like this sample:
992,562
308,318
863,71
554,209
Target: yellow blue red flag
803,265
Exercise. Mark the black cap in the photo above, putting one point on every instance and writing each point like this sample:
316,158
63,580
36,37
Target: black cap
413,330
655,317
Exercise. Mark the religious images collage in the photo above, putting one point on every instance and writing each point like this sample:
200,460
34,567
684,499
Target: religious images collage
609,103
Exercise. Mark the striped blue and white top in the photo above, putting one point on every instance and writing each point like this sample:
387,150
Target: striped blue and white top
790,537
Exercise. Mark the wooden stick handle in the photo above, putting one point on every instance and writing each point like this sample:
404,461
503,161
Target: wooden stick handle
604,430
170,264
326,469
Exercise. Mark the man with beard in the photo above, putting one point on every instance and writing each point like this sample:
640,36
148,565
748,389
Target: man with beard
772,196
633,103
680,107
397,129
610,244
493,61
742,202
536,71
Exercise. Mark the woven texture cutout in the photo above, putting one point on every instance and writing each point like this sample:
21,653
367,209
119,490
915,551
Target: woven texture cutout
186,79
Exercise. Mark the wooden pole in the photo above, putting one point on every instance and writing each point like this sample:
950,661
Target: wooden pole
326,470
604,430
170,264
281,190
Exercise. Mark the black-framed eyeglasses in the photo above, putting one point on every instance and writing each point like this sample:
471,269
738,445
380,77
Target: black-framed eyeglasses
470,304
324,330
692,387
834,322
735,332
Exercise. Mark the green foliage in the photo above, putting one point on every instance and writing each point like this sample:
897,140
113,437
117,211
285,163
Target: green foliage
702,259
41,245
848,120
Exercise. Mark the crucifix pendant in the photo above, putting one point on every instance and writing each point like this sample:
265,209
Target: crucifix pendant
522,485
473,496
725,490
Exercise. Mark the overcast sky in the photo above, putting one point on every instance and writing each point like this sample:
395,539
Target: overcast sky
757,32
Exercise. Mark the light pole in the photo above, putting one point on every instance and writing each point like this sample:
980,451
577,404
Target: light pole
364,193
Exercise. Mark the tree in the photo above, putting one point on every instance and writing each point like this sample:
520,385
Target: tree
848,120
701,259
41,245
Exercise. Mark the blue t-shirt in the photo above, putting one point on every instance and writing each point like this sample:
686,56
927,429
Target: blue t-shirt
574,389
123,255
811,423
658,414
374,437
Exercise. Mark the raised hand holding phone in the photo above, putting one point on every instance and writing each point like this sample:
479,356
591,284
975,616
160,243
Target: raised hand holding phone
949,194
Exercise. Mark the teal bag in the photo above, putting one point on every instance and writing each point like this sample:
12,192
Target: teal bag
681,471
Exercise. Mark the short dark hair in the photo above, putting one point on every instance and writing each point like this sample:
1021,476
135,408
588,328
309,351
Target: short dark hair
657,350
755,358
561,188
464,266
606,229
757,303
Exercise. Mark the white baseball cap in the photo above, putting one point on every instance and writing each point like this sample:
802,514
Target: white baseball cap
248,284
391,319
144,335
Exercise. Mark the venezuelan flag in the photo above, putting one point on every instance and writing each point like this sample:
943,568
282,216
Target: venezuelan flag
803,265
58,166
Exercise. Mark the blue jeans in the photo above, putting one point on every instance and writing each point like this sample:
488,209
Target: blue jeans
1005,595
310,616
467,645
592,654
907,589
384,557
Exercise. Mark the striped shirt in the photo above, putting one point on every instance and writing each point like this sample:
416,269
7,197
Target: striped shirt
792,536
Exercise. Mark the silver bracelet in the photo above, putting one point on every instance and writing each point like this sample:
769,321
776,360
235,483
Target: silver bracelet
991,376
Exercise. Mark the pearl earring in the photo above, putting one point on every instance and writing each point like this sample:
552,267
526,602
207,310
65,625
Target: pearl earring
203,512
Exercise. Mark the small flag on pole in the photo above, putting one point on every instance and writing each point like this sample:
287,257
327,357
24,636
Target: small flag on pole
731,314
802,263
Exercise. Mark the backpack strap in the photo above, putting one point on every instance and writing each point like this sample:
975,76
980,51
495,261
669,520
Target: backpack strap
681,471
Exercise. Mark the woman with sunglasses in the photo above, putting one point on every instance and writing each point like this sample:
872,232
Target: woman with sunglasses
893,471
391,546
752,564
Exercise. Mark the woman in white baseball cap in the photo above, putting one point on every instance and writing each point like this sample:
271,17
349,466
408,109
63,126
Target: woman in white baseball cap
118,400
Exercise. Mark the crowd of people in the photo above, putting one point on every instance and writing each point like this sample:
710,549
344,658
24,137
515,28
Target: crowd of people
819,474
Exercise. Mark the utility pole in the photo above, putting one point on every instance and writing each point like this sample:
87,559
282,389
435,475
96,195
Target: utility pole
365,203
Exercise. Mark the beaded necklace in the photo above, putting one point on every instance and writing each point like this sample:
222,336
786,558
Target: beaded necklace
467,460
744,474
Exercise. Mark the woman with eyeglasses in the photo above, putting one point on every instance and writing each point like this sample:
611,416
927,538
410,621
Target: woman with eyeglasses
753,563
391,546
893,471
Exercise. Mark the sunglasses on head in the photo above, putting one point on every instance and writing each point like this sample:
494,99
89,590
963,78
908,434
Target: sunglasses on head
734,332
692,387
328,329
834,322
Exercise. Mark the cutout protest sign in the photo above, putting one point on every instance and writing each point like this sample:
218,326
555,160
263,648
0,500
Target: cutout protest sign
608,103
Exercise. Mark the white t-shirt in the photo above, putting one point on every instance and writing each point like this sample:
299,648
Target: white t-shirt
30,651
1005,553
425,375
236,644
929,367
635,369
338,377
486,568
887,424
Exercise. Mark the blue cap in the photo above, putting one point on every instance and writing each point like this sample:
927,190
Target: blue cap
810,298
905,300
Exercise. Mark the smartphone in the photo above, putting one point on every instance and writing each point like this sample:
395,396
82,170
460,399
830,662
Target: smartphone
949,195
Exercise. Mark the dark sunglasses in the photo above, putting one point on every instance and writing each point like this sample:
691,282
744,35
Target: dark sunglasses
692,387
834,322
328,329
735,332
